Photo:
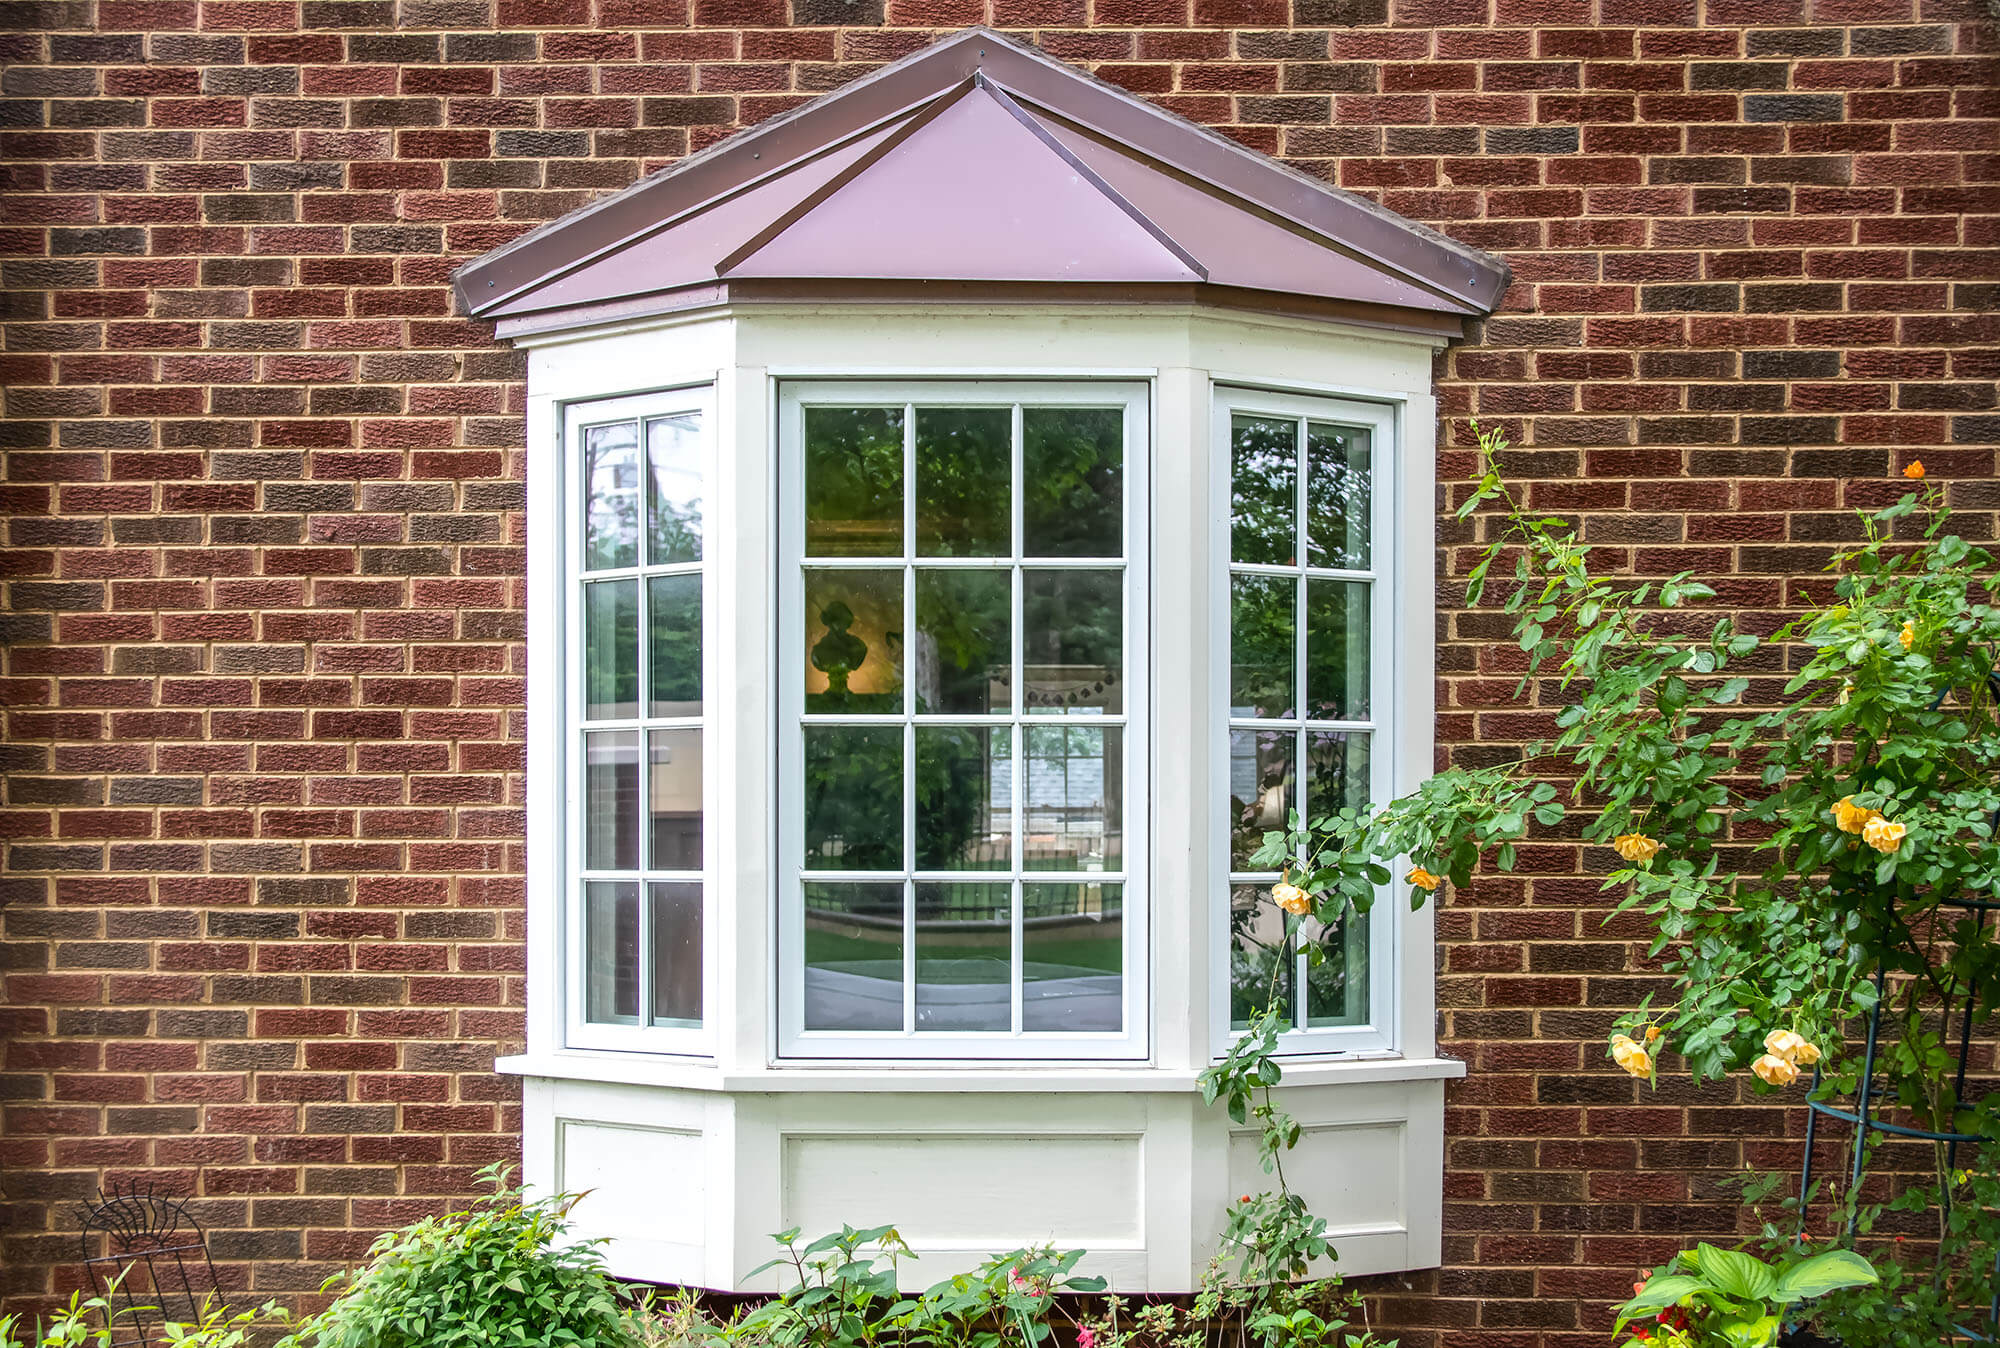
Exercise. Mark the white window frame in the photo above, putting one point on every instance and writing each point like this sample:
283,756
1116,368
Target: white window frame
794,1042
1381,1032
579,1032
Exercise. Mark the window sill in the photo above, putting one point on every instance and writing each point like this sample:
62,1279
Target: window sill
630,1069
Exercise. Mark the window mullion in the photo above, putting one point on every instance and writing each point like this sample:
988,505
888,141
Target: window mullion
909,718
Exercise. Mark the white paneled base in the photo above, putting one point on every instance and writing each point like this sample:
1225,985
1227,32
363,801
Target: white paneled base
688,1185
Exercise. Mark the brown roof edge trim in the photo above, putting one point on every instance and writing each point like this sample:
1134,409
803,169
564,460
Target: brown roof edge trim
730,163
762,292
1428,258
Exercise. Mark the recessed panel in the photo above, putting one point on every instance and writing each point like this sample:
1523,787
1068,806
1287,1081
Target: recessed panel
638,1184
980,1191
1352,1174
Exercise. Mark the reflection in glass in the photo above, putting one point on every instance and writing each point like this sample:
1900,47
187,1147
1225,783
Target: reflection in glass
611,800
611,496
854,798
1263,620
1336,771
1073,800
964,815
673,489
1072,958
611,951
676,940
1073,487
1336,650
673,640
1337,987
853,956
1263,490
965,461
1261,961
854,481
1072,638
1263,789
962,661
673,799
854,640
610,650
1336,496
965,956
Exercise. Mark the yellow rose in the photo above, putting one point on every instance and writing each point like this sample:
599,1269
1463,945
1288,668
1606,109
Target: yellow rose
1626,1052
1851,818
1908,636
1423,879
1291,898
1774,1070
1792,1047
1914,470
1653,1032
1882,835
1635,846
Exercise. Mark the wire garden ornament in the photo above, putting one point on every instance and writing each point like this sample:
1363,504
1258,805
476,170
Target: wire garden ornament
154,1267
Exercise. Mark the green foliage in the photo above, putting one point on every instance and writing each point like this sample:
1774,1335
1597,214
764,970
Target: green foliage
1709,1297
495,1276
92,1323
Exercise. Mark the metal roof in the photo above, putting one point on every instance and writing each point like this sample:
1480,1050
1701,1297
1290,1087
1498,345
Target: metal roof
979,168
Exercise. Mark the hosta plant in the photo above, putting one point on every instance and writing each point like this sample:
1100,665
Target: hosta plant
1710,1297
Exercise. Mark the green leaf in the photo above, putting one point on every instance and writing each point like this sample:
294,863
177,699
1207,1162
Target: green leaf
1825,1273
1734,1273
1661,1291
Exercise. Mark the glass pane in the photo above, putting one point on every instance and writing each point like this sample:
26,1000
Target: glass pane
1262,964
1336,650
611,496
1073,481
1072,637
965,798
1336,496
1263,787
611,951
674,644
673,489
854,481
611,800
1074,798
1263,490
1337,987
1263,623
1073,958
1336,771
965,956
965,461
676,953
673,795
611,650
854,798
963,660
854,957
854,641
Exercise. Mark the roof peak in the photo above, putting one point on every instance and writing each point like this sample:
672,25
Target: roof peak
1121,191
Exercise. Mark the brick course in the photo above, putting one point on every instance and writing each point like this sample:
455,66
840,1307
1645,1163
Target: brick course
263,681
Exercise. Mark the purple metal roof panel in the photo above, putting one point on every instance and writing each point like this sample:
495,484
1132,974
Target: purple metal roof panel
972,195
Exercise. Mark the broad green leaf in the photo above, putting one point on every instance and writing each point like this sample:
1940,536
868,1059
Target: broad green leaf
1734,1273
1825,1273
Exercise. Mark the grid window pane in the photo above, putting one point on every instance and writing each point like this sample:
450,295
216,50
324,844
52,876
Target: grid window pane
854,956
611,951
1073,497
611,800
1073,640
1263,644
962,659
854,798
611,650
963,822
1073,798
1337,491
965,956
1073,958
675,913
1263,788
1263,490
854,640
1263,965
854,481
673,799
1337,987
673,489
611,496
964,471
673,643
1336,650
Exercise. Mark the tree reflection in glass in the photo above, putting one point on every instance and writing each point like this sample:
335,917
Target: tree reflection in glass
854,481
854,798
1073,489
962,660
1263,645
1073,640
965,461
1337,490
1263,490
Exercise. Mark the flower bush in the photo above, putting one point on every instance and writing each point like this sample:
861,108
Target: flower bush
1798,862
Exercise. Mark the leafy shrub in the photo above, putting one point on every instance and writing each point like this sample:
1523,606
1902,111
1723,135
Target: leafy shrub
493,1276
91,1323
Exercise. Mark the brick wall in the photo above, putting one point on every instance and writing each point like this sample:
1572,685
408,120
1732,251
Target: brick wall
262,893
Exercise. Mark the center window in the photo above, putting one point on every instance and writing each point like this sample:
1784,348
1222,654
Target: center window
962,659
